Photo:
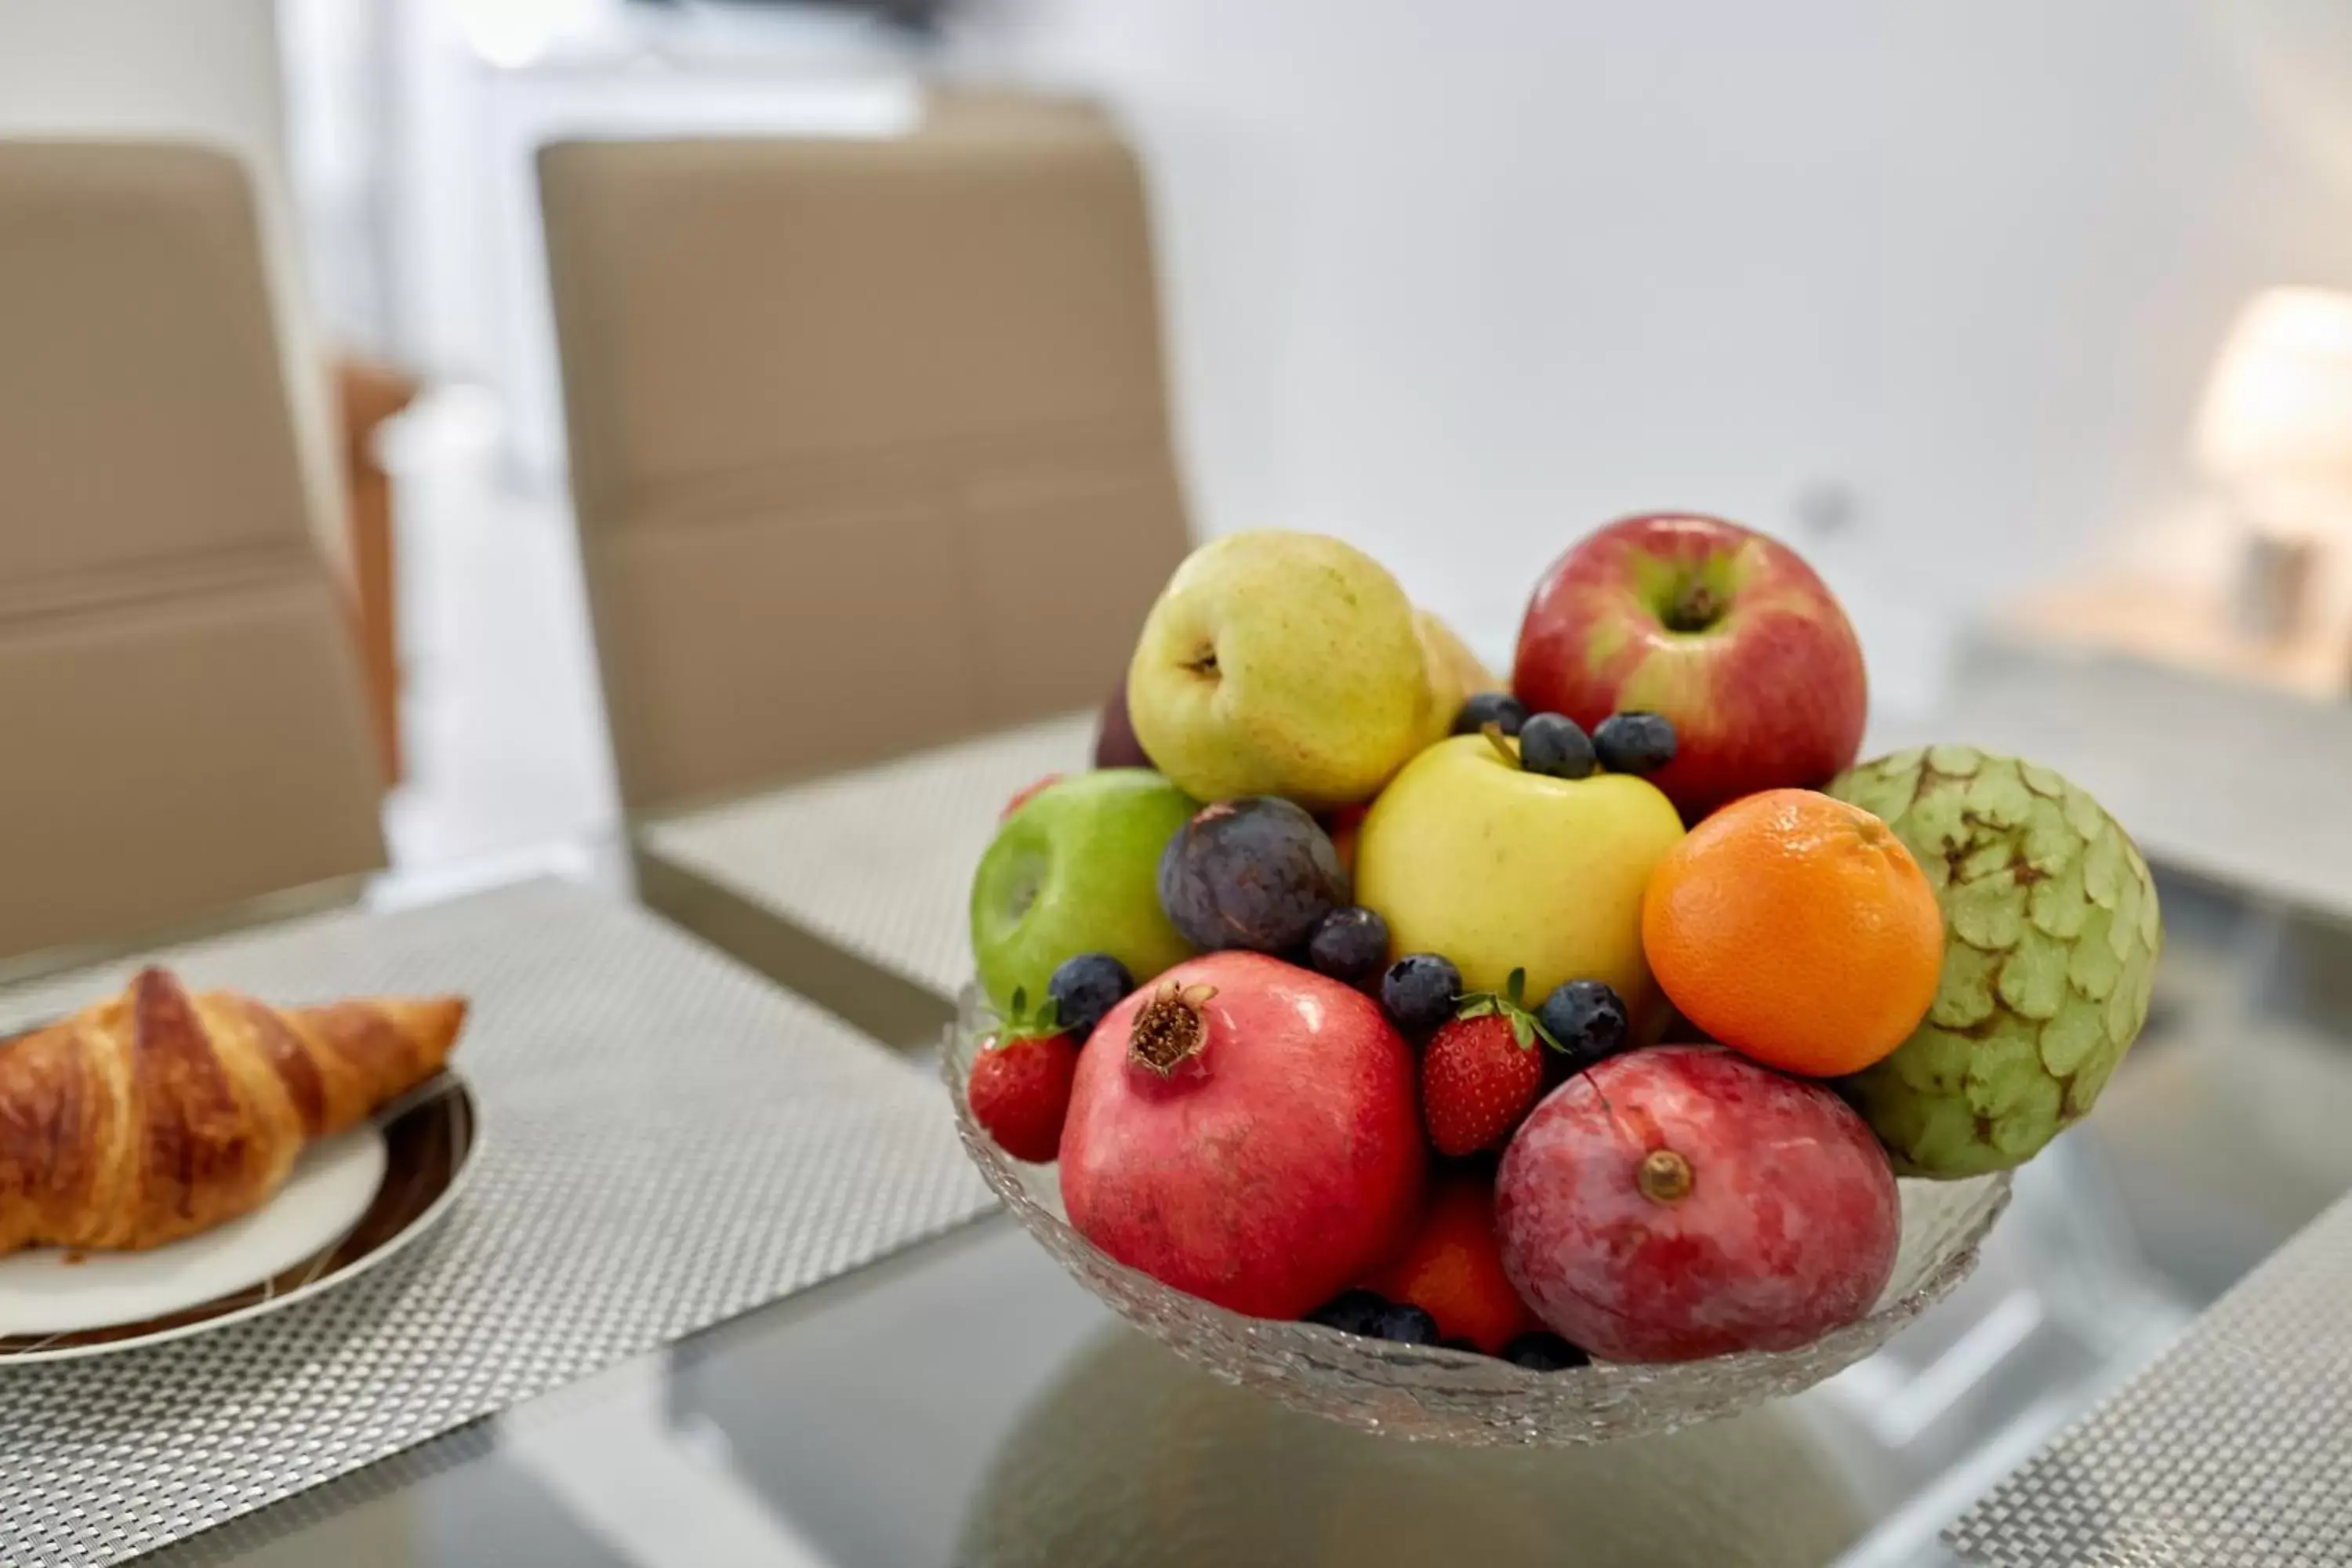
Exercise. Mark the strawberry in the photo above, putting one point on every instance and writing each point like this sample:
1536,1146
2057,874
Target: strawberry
1477,1084
1019,1086
1453,1268
1027,794
1482,1071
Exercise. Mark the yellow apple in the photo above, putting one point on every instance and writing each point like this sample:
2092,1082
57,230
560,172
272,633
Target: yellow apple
1279,663
1466,854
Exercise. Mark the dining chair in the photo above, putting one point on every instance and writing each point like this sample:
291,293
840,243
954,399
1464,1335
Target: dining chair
869,439
184,723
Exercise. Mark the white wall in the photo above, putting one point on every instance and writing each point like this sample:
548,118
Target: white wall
202,67
200,70
1459,278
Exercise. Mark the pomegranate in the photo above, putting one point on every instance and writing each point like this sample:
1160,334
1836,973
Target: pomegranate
1685,1202
1244,1130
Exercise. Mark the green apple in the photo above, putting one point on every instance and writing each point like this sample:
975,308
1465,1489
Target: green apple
1278,663
1076,869
1466,855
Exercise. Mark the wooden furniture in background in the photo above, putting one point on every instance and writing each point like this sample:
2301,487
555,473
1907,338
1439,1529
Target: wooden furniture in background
2226,762
2185,628
370,393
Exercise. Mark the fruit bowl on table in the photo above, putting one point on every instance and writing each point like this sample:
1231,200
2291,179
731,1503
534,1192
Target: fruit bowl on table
1384,1016
1430,1394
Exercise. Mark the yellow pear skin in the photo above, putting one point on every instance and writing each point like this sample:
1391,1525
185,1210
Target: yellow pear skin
1456,674
1280,663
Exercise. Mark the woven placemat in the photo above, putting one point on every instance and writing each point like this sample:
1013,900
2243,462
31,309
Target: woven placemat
2235,1448
878,861
669,1141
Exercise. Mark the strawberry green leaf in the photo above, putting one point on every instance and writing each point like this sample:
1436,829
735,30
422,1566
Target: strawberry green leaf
1018,1022
1526,1028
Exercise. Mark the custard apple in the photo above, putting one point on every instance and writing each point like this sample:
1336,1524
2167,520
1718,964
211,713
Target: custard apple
2050,936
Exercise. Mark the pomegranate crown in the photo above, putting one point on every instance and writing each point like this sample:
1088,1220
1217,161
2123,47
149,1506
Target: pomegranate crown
1170,1029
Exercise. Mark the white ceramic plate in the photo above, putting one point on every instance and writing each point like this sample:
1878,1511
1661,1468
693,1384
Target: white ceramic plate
352,1202
47,1290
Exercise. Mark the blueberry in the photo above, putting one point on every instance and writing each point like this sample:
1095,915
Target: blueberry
1634,742
1406,1325
1086,987
1352,1312
1587,1019
1491,708
1543,1351
1556,746
1256,873
1350,944
1420,990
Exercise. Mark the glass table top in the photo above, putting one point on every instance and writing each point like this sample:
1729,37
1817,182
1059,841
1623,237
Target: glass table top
965,1403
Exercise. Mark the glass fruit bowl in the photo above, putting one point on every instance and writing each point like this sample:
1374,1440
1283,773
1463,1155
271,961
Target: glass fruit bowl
1453,1396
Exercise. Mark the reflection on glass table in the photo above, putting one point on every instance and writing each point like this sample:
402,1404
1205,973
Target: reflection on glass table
971,1404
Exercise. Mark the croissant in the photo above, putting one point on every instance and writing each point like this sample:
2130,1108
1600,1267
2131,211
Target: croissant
156,1114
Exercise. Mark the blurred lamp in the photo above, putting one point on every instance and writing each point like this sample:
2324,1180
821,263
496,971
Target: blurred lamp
2276,431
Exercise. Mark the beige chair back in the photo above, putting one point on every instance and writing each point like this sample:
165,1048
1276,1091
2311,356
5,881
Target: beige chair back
183,728
869,444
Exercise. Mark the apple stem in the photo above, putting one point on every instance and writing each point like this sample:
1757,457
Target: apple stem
1493,730
1170,1029
1663,1176
1696,608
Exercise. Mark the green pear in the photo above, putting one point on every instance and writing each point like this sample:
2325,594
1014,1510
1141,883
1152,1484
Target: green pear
1456,674
1278,663
1076,869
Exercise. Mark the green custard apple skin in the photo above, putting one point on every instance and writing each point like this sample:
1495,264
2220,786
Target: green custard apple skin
1076,869
2051,934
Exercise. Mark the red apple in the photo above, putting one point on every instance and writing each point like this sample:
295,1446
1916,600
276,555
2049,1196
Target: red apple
1028,793
1114,742
1724,631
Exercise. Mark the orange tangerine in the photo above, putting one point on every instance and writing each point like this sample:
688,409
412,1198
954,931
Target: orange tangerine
1796,929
